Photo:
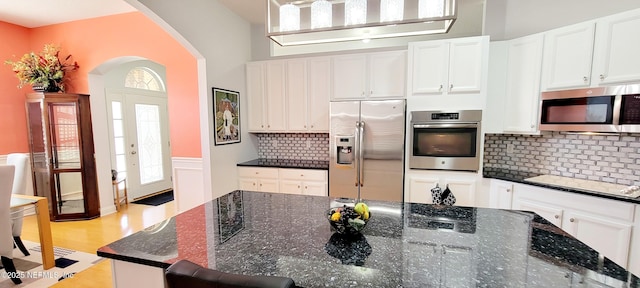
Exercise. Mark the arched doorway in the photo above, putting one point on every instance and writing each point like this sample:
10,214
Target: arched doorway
137,117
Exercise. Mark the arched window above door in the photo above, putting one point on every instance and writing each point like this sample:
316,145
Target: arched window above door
143,78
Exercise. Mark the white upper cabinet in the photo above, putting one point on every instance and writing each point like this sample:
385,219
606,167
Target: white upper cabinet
318,93
289,95
297,95
255,95
616,58
266,96
275,97
387,74
568,52
372,75
448,66
522,95
593,53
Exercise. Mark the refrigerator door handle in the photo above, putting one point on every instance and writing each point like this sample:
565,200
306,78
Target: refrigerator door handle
357,158
361,154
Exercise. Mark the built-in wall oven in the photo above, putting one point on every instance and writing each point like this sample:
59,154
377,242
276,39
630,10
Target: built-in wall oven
445,140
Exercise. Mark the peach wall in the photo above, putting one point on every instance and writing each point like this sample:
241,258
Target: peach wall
15,41
92,42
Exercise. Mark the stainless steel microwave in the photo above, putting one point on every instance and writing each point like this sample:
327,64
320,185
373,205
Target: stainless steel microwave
601,109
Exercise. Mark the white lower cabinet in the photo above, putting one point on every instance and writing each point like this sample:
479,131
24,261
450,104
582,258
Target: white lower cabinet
283,180
305,182
603,224
462,185
258,179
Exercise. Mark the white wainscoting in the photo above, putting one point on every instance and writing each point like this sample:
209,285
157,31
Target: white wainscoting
188,182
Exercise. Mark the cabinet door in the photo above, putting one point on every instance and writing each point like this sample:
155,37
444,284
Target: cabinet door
318,93
275,75
255,96
466,58
387,74
315,188
463,189
501,194
290,187
269,185
568,54
429,62
349,76
297,95
616,56
423,262
609,237
523,84
420,189
551,213
248,184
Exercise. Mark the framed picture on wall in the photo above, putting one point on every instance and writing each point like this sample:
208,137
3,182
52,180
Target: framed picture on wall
226,116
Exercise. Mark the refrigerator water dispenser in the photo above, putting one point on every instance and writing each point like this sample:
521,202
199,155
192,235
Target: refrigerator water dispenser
345,149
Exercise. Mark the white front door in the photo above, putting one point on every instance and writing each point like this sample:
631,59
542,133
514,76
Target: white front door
140,135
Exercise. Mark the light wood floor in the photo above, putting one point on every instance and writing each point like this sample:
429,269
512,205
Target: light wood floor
87,236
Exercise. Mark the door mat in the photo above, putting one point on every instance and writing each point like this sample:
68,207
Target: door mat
67,263
156,199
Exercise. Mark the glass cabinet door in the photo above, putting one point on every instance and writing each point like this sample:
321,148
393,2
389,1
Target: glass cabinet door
38,148
66,164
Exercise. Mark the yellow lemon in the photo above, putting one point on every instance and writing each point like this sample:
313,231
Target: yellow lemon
335,217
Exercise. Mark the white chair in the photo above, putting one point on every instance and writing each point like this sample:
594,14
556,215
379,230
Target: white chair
20,161
6,242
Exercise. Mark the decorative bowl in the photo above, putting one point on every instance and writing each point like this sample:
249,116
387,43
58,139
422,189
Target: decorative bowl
345,220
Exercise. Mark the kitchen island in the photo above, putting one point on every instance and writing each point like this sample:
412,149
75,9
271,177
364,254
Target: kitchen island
403,245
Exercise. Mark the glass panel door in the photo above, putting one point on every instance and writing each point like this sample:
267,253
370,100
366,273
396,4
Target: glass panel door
65,158
149,143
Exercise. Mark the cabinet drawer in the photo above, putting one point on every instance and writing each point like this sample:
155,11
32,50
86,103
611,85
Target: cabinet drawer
303,174
255,172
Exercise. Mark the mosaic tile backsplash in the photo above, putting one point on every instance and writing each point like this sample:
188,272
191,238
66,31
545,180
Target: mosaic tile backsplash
303,146
606,158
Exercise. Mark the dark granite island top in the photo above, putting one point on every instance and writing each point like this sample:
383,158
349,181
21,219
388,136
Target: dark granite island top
403,245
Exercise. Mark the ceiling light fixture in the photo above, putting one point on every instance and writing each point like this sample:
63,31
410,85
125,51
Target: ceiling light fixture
321,14
322,21
289,17
391,10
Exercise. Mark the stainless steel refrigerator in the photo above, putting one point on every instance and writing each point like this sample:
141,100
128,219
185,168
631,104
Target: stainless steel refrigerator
366,142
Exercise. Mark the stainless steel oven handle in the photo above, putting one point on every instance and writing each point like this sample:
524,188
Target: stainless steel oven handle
357,160
448,125
361,156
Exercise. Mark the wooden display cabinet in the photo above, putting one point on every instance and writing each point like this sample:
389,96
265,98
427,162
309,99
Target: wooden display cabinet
62,154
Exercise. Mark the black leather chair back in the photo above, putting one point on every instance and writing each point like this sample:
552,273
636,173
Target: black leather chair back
186,274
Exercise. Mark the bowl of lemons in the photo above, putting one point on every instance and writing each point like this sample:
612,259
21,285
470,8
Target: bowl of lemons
349,220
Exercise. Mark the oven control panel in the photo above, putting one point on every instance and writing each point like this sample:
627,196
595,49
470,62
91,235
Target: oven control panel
445,116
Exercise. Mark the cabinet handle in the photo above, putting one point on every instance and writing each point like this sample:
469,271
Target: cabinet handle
450,87
601,77
362,93
508,190
301,175
268,126
298,186
260,184
585,79
311,126
305,187
557,216
261,126
533,125
440,87
254,184
305,126
572,220
370,92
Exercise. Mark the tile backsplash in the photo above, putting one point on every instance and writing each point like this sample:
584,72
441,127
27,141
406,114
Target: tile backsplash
302,146
606,158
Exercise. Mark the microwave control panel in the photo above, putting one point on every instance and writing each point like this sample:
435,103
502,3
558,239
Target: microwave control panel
630,113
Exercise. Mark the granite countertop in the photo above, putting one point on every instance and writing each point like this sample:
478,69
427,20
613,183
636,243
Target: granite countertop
521,176
403,245
287,163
